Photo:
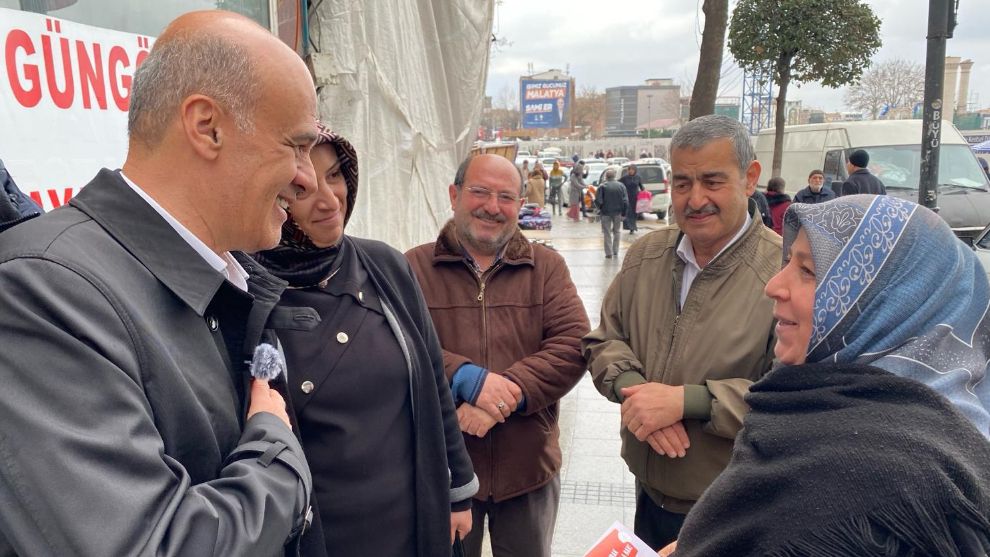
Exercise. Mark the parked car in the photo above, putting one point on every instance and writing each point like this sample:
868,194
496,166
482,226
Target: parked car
617,160
655,174
981,245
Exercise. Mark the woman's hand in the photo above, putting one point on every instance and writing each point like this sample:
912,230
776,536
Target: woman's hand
460,523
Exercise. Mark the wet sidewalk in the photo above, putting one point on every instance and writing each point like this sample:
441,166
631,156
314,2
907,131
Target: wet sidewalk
596,487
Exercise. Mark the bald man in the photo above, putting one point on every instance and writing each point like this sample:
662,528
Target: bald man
130,423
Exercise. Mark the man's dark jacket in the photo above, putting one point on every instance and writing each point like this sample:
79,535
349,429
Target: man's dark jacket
125,392
15,207
611,199
808,196
760,200
861,181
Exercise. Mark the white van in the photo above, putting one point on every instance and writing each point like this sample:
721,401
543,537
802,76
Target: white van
895,157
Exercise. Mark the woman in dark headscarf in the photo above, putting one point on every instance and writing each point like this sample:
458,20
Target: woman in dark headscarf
366,381
871,439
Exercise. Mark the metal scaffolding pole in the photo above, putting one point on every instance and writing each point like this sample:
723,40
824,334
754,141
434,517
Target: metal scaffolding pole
757,100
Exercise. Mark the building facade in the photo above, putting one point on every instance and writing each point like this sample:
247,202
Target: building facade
632,109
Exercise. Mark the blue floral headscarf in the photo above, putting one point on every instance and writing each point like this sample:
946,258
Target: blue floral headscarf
896,289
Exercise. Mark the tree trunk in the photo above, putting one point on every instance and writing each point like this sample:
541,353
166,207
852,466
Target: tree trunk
710,64
783,71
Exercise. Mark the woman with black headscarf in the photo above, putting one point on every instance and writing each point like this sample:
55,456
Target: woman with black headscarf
390,472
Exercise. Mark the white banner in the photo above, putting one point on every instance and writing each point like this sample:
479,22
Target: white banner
64,93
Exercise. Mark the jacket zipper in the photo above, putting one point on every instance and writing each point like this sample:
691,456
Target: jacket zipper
482,282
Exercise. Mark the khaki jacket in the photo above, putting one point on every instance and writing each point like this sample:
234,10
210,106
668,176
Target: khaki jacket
720,342
521,319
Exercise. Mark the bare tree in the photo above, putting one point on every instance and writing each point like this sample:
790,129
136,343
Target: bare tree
589,109
705,87
894,84
507,98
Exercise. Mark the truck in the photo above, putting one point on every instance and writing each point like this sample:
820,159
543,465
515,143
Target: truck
894,147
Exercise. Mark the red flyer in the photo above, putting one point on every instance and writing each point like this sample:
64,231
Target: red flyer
619,541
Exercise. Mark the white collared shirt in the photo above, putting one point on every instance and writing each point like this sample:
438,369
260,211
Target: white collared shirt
224,263
685,250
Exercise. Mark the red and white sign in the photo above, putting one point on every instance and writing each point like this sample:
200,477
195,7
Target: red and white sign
64,93
619,541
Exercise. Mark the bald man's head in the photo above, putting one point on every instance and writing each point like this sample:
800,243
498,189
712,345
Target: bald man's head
211,53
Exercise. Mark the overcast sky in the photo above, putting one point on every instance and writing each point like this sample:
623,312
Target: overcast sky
624,42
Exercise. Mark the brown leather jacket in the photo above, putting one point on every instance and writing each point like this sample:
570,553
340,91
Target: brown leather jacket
522,319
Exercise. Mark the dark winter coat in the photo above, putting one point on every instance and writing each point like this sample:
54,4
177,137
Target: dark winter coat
808,196
843,459
862,181
762,207
634,185
611,199
374,284
15,207
126,390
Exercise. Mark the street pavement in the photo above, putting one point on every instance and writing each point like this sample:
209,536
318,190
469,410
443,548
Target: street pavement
596,487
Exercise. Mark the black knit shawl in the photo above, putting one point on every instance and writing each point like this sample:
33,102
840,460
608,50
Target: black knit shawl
838,460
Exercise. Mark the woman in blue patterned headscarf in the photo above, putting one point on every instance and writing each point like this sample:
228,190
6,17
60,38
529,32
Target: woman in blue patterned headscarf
863,441
895,289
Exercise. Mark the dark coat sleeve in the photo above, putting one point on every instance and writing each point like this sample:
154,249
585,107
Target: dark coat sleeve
83,468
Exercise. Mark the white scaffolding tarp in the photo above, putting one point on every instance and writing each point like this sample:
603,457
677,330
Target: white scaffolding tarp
404,82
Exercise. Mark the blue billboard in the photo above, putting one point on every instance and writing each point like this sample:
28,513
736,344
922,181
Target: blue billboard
544,102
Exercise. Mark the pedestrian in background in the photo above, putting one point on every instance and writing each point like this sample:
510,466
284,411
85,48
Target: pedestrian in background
613,204
131,424
536,185
777,201
510,322
685,328
383,441
871,397
556,184
860,179
575,192
762,207
634,184
815,192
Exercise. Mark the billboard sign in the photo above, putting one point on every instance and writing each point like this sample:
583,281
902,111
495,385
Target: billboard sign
64,95
544,102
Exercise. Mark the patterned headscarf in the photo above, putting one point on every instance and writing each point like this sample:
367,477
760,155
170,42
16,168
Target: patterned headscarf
296,258
896,289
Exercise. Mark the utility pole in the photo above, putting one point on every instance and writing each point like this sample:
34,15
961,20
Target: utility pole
941,23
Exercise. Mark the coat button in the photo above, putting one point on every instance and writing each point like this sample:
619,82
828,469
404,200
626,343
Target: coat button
342,337
360,296
307,387
212,322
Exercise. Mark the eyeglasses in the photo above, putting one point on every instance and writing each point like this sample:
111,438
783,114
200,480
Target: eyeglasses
484,194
